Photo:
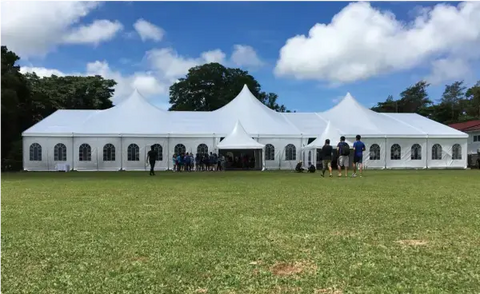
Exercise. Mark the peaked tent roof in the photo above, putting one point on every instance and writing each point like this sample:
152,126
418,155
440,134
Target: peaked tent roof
239,139
352,118
134,115
329,133
257,118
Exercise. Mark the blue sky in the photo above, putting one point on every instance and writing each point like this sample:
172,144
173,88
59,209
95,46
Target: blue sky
190,28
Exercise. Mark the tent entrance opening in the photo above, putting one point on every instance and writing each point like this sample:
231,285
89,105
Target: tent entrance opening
242,159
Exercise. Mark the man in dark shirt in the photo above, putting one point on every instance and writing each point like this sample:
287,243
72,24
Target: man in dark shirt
327,151
152,156
299,168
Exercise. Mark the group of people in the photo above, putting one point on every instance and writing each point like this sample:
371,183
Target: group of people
201,162
343,152
187,162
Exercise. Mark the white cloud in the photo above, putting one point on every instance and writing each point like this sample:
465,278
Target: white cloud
147,31
214,56
41,71
172,66
35,28
362,42
96,32
448,69
246,56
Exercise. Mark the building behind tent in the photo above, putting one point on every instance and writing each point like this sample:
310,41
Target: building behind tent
119,138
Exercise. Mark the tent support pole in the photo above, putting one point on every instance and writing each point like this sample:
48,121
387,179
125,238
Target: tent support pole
385,152
426,154
168,151
73,151
121,152
96,152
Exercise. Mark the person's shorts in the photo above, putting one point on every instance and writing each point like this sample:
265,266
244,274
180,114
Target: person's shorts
357,159
327,163
344,160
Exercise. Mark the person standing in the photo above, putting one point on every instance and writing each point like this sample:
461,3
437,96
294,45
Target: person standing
358,148
151,157
343,149
327,151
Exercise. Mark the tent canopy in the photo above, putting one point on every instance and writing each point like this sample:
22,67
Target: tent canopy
239,139
329,133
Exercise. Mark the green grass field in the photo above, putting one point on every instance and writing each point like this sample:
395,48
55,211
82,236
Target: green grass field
241,232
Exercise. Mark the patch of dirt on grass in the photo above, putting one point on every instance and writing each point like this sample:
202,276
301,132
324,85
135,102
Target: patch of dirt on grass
343,234
201,290
286,290
327,291
140,258
288,269
412,242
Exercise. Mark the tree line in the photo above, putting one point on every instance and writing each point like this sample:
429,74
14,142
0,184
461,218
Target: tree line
458,103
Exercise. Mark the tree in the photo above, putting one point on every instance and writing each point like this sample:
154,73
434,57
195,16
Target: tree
26,99
415,99
452,98
473,101
14,90
390,105
211,86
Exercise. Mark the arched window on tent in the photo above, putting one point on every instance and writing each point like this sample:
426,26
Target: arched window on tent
35,152
437,152
375,152
133,152
108,152
416,153
290,152
269,152
158,151
179,149
395,152
85,152
202,149
456,152
60,152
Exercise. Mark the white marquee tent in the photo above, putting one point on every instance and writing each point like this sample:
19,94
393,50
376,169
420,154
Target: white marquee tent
119,138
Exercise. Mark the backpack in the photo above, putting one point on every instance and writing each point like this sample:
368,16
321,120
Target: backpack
345,150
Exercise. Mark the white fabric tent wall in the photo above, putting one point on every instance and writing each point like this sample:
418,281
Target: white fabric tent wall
447,148
42,165
406,160
279,144
369,163
91,165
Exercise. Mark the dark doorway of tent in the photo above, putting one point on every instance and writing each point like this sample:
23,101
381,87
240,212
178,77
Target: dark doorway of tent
238,159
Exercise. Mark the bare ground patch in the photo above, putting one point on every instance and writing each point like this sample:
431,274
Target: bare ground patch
412,242
328,291
288,269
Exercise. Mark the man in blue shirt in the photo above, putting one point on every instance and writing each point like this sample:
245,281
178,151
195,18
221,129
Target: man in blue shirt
358,148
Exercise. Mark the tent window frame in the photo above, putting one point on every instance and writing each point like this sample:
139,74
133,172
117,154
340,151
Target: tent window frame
374,152
109,152
437,151
35,152
269,152
457,152
85,152
290,152
179,149
202,148
395,152
60,152
159,151
133,152
416,152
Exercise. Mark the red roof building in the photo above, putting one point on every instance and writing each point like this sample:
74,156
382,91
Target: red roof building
468,126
